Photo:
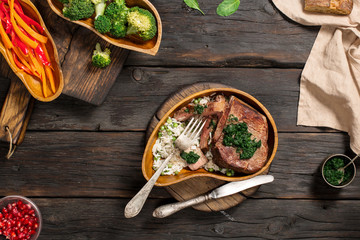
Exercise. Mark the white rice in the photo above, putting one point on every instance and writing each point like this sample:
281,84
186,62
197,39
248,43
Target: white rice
164,146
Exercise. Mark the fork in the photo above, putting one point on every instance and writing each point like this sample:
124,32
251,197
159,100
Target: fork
183,142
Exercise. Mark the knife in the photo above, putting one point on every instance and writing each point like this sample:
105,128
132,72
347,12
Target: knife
225,190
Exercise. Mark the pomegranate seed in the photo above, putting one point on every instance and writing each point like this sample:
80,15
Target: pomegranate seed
18,221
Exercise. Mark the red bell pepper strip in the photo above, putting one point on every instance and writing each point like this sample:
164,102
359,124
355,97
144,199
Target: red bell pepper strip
18,43
6,17
40,52
18,6
20,65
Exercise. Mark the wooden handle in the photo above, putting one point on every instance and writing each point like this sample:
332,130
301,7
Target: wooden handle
172,208
15,113
137,202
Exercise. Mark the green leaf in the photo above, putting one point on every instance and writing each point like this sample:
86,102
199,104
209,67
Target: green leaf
227,7
193,4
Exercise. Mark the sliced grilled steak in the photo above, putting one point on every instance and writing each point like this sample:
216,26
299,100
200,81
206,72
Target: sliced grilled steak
202,160
228,157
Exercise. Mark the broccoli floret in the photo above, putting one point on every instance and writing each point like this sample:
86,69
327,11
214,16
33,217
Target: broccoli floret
100,6
118,29
142,23
78,9
102,24
101,58
117,11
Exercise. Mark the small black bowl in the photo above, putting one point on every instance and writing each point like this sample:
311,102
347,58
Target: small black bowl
346,161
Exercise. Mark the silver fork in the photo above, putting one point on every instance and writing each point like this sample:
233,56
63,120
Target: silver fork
183,142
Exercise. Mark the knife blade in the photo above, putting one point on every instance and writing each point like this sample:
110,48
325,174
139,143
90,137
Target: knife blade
225,190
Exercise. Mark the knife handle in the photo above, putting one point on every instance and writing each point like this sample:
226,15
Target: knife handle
168,209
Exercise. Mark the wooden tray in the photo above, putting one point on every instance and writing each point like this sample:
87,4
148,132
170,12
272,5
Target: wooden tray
197,186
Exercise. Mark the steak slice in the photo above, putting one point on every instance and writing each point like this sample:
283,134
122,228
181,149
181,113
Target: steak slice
202,160
184,114
215,107
228,157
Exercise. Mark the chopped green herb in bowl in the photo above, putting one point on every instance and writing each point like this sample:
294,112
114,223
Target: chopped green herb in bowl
335,177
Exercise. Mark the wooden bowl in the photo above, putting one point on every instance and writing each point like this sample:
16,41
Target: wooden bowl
147,161
34,85
149,47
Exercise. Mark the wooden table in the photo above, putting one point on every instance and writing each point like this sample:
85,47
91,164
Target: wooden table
81,164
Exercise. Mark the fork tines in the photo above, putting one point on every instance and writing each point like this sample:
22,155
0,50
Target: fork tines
195,128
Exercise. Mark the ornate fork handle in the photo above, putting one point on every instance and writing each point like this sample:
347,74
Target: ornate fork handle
135,205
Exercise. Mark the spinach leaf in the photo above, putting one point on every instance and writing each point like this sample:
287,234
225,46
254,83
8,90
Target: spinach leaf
227,7
193,4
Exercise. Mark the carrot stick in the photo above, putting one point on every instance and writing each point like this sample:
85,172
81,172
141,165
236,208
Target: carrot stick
37,65
21,35
29,30
5,38
50,76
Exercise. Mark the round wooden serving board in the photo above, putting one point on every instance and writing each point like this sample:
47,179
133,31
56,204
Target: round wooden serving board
196,186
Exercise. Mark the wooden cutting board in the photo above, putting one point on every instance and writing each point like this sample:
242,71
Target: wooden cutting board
75,45
197,186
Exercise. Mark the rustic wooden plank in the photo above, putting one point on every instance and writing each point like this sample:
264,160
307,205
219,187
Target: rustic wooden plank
14,112
132,103
108,164
256,35
103,219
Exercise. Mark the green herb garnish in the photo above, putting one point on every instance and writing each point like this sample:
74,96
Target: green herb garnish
238,136
194,4
227,7
186,110
331,173
190,157
232,118
199,109
212,124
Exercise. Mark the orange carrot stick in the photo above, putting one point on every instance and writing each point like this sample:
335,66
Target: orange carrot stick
21,35
29,30
21,57
5,38
50,76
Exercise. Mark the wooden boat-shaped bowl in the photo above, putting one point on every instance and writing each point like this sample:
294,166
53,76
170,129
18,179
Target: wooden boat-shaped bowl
147,161
34,85
149,47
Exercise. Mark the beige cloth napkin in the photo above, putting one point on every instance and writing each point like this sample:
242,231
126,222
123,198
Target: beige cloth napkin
330,81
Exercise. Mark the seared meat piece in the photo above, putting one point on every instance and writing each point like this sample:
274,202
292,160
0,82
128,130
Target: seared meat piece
228,157
205,134
184,114
202,160
215,107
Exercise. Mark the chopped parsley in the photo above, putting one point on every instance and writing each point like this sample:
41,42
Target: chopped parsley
190,157
238,136
232,118
186,110
212,124
199,109
331,173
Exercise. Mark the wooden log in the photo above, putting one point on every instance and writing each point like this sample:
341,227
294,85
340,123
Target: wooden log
108,164
103,219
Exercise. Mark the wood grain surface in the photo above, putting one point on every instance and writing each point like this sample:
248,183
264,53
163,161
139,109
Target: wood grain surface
81,163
